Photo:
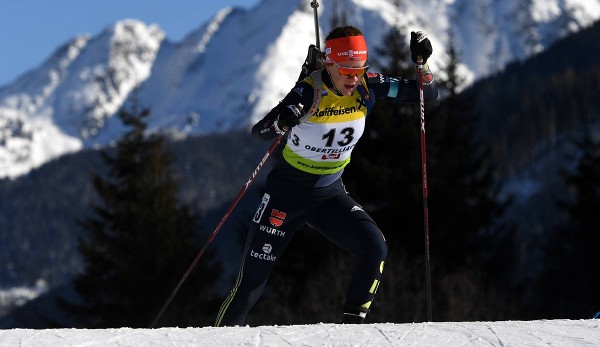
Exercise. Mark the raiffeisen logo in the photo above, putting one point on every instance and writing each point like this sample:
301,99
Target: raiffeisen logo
266,255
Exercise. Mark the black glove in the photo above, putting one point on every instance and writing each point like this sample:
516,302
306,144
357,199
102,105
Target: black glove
288,117
419,46
313,62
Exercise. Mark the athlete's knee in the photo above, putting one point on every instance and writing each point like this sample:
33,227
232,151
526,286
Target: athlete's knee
381,249
375,246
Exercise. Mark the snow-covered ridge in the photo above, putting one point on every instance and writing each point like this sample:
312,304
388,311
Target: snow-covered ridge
510,333
228,72
18,296
60,107
113,64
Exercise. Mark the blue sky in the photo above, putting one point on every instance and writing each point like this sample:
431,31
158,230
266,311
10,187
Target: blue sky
30,30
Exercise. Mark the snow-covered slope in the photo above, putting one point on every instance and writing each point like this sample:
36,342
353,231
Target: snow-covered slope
231,70
511,333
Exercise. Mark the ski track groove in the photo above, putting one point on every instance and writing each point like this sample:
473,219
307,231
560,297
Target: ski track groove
491,328
408,333
475,338
26,342
540,339
380,330
315,332
274,333
535,335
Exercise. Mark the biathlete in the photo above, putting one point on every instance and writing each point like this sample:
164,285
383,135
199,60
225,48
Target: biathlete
322,117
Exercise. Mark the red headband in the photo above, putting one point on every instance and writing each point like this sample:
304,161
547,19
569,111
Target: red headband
349,48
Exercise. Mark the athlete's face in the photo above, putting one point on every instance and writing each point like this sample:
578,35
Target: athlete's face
346,76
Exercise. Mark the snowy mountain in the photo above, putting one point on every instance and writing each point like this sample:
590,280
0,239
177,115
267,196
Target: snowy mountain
67,103
233,69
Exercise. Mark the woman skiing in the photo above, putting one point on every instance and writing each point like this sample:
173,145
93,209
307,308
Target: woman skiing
322,118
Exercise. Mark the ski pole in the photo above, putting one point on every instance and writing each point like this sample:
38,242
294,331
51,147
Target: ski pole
214,233
425,192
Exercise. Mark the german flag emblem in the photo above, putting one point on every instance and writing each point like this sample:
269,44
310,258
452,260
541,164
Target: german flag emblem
277,217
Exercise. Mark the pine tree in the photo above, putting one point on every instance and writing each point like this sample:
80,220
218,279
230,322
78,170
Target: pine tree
463,196
464,200
139,241
571,282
